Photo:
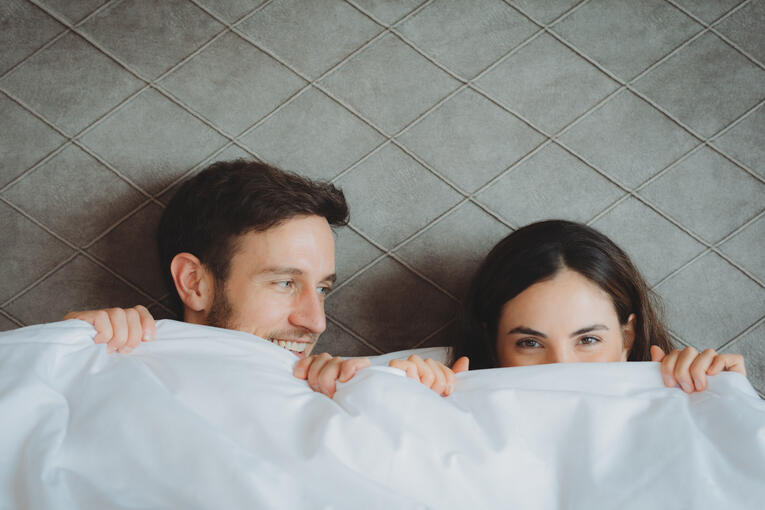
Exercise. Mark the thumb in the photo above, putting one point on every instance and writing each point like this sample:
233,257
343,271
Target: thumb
657,354
461,365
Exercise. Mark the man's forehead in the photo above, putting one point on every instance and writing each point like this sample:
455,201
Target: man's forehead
302,244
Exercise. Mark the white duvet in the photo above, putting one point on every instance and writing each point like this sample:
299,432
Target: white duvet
213,419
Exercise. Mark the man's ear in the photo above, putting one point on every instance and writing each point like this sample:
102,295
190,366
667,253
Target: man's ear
628,334
193,282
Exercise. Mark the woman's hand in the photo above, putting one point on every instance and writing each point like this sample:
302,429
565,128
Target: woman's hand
322,371
121,329
436,376
689,368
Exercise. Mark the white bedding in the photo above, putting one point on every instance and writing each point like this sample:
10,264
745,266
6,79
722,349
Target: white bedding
207,418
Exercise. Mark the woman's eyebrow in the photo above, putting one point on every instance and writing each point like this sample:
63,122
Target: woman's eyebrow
526,331
594,327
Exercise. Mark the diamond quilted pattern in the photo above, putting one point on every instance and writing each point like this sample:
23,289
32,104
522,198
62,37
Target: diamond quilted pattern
710,302
25,145
171,140
389,294
384,83
451,30
647,31
386,183
151,37
547,84
697,85
314,136
23,29
708,194
311,36
550,184
73,99
469,140
628,139
241,83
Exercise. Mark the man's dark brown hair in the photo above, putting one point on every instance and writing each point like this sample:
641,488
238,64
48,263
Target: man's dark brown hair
230,198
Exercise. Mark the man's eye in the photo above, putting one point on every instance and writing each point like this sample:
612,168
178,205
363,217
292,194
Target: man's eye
285,284
528,343
589,340
324,290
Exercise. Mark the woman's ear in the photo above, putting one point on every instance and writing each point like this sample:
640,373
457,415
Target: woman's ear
194,284
628,336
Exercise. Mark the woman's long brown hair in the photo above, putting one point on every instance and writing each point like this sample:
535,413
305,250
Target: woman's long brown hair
537,252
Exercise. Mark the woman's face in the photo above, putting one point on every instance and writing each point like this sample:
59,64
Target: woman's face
567,319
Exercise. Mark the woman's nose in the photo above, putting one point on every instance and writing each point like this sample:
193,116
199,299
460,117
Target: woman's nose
559,356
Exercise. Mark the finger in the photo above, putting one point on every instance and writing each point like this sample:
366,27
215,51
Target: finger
699,368
407,366
120,327
301,367
425,373
667,368
683,368
135,331
147,323
350,366
103,326
728,363
315,370
327,378
657,353
461,365
439,379
451,379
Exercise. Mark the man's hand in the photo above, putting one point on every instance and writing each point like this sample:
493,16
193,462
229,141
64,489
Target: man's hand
121,329
689,368
436,376
323,371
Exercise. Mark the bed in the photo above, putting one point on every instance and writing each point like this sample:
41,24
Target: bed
205,418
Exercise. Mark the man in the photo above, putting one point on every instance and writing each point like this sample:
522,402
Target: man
249,247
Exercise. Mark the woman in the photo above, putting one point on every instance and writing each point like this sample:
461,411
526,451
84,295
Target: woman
559,291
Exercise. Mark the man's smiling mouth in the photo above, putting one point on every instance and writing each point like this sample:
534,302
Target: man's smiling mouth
297,348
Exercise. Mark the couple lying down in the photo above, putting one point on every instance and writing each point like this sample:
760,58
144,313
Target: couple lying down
551,292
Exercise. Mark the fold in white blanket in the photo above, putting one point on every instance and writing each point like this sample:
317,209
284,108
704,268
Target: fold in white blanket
208,418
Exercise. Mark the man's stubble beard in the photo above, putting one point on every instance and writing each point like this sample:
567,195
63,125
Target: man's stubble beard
221,314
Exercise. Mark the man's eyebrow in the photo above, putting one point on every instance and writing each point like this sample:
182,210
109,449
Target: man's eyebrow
594,327
526,331
295,272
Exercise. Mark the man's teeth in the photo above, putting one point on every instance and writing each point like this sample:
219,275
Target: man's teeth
292,346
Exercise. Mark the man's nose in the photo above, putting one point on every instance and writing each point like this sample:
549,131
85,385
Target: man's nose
308,312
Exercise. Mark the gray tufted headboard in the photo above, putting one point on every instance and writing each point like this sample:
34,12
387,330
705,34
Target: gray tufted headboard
447,123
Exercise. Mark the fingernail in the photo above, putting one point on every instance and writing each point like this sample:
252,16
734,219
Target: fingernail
686,388
126,350
147,336
449,389
109,349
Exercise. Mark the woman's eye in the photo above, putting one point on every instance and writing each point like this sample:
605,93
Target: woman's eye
528,343
589,340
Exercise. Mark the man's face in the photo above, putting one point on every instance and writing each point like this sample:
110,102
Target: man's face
277,283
